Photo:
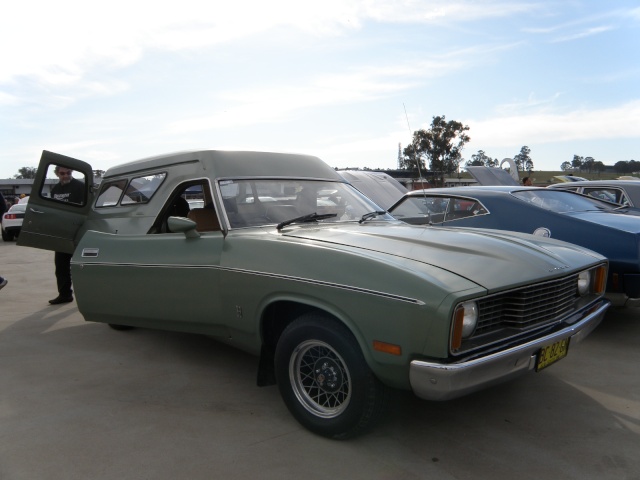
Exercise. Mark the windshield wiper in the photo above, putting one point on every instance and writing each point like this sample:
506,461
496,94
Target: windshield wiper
311,217
369,215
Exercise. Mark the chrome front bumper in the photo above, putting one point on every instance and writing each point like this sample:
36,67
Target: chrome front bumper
436,381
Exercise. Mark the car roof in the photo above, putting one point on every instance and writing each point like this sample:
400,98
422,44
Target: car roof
587,183
235,164
470,190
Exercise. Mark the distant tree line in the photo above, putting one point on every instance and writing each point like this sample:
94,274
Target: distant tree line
627,166
583,164
26,172
440,147
522,160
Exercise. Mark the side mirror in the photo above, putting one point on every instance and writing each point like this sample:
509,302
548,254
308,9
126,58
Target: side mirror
181,224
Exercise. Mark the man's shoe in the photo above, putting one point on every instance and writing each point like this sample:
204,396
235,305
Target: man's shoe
3,282
60,299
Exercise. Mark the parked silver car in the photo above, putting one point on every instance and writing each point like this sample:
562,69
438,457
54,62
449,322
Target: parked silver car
622,192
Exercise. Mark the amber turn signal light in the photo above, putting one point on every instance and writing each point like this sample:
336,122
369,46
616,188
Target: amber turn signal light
387,348
600,281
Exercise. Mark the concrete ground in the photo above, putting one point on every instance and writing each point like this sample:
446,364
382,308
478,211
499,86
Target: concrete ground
79,400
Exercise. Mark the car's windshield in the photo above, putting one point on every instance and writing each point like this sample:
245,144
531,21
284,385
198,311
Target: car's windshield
561,202
255,202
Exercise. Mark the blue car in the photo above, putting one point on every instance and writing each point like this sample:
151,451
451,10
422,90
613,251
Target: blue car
609,229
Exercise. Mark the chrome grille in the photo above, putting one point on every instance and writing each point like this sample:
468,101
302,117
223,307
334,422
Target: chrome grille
530,306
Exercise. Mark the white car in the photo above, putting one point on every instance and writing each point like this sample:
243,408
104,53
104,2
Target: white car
12,221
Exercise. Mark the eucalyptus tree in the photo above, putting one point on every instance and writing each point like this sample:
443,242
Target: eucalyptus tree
441,146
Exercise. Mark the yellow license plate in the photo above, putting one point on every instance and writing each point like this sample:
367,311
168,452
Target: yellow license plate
552,353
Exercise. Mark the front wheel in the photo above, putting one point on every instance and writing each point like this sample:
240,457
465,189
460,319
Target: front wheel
324,379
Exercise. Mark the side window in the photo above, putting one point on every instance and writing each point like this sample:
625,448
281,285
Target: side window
141,189
192,200
123,192
624,200
463,208
608,194
110,193
65,185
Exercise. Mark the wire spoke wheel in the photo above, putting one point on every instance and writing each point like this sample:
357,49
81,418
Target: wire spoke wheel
324,379
320,379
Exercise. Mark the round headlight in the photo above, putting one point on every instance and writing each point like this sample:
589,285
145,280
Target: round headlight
584,282
469,319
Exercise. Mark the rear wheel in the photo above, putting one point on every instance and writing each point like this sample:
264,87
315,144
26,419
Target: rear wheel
324,379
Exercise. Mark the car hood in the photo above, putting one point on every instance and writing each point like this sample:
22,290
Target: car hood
627,222
489,258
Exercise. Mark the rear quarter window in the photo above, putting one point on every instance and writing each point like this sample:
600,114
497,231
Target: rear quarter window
124,192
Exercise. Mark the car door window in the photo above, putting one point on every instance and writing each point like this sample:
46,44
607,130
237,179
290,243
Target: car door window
64,185
608,194
192,200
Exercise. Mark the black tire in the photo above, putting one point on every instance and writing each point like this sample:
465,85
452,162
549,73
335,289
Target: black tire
324,379
6,236
115,326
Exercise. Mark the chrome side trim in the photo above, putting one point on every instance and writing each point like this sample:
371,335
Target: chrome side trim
437,381
310,281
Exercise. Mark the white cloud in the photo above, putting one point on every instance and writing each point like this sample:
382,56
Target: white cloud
7,99
532,102
582,34
618,122
57,42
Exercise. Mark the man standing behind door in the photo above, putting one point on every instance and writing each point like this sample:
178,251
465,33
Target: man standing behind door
68,189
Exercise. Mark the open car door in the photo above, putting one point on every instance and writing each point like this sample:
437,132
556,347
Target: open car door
52,222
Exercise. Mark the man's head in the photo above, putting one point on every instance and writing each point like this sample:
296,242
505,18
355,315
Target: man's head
63,174
526,181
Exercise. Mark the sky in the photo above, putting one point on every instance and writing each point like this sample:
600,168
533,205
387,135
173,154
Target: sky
345,80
